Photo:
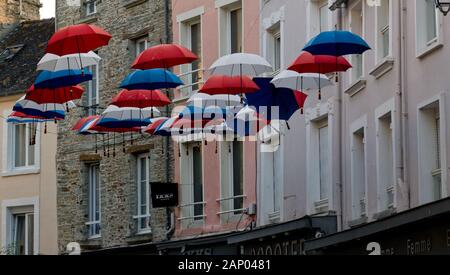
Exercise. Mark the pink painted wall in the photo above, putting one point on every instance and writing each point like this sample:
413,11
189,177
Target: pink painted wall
211,160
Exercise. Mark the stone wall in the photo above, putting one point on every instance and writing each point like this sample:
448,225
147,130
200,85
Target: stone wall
10,11
126,21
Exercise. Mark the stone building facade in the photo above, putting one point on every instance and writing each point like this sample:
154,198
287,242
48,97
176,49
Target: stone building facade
14,11
133,24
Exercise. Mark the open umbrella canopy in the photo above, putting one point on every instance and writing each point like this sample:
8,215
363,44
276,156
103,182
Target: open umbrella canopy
323,64
64,78
207,113
152,79
163,56
233,85
91,127
238,64
336,43
275,103
219,100
165,127
57,95
140,99
127,117
154,125
48,111
83,121
53,62
80,38
18,117
295,81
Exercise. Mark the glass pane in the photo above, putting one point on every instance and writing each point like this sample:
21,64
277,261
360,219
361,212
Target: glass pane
31,148
324,160
238,172
431,20
20,145
236,31
277,54
30,234
323,13
196,48
437,186
19,234
198,180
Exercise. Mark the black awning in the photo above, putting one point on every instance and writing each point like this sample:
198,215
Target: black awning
417,215
325,224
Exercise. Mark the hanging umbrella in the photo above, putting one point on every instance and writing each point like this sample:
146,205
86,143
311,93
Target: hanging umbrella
164,128
154,125
53,62
151,80
92,127
18,117
323,64
219,100
57,95
58,79
140,99
275,103
163,56
207,113
239,64
126,117
83,121
80,38
49,111
308,81
232,85
336,43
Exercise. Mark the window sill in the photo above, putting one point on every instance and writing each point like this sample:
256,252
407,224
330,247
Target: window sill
138,238
21,172
132,3
88,19
383,67
358,222
384,214
356,87
429,49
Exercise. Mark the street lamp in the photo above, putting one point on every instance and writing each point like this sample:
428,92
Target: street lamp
443,6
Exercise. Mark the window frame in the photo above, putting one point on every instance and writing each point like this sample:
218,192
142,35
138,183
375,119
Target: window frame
378,37
137,44
423,49
354,58
147,216
88,3
94,184
90,99
224,26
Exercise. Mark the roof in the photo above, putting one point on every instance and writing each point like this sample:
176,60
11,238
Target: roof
20,51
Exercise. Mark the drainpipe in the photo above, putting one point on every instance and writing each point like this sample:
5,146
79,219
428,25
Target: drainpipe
341,137
402,168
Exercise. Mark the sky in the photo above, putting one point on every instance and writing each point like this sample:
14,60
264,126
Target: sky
48,8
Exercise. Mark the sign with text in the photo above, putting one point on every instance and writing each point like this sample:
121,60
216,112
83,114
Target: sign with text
164,194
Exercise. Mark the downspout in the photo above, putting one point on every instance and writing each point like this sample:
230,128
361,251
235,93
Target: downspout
402,169
169,212
341,137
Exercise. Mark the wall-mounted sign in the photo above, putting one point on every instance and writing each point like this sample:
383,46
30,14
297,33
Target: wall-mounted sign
164,194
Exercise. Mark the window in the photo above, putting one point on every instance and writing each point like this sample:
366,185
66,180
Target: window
383,30
324,154
358,173
93,90
318,17
191,32
143,194
231,35
192,184
430,157
427,25
232,177
94,201
22,146
10,52
274,47
385,162
91,7
22,232
141,45
356,19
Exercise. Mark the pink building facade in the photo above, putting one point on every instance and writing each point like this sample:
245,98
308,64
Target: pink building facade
217,180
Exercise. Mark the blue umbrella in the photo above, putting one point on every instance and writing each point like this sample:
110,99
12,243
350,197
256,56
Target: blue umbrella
151,80
336,43
58,79
193,112
47,114
285,101
118,123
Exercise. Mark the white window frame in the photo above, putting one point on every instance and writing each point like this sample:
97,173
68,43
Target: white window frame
378,37
354,58
92,196
383,188
225,8
313,15
8,168
187,218
274,27
313,115
138,42
356,202
424,49
147,198
91,101
425,181
88,3
14,206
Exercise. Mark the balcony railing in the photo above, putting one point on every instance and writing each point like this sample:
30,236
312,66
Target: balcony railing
190,87
232,200
192,217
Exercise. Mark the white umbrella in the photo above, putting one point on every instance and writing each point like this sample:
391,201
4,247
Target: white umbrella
52,62
239,64
47,107
295,81
129,113
219,100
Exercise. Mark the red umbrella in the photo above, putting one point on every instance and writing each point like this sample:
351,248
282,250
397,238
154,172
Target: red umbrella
323,64
300,97
151,129
58,95
233,85
80,123
163,56
80,38
140,99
